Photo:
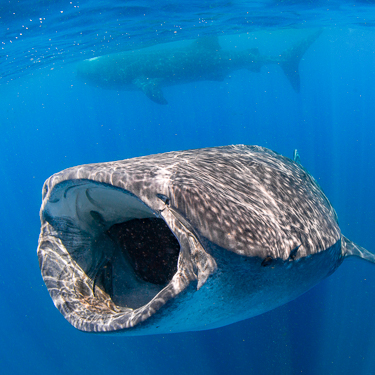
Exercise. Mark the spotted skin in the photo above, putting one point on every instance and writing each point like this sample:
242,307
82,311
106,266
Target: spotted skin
255,231
203,60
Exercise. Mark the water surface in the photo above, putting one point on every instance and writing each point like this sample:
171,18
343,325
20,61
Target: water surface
50,120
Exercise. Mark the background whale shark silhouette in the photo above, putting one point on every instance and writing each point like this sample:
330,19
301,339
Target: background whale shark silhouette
149,70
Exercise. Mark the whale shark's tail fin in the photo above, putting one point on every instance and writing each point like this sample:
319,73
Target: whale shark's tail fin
291,57
350,248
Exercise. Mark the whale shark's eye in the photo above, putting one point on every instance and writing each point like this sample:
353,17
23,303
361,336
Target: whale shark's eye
293,253
164,198
267,261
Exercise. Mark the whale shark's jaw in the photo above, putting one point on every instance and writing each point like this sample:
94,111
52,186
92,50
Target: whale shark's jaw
119,256
121,245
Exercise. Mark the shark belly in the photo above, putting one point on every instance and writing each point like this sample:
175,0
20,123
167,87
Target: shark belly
242,283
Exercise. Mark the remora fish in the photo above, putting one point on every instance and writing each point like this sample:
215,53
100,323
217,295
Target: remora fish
204,60
185,241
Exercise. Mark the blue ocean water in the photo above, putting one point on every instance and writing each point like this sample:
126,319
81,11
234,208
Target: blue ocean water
50,121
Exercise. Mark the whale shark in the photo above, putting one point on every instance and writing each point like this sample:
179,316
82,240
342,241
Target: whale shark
149,70
185,241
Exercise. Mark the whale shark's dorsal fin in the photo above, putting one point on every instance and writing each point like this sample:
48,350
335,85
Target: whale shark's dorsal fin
296,157
349,249
208,43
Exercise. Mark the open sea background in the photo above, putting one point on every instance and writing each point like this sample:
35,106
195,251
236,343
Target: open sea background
50,121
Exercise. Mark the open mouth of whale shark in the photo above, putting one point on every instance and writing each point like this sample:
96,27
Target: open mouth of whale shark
127,252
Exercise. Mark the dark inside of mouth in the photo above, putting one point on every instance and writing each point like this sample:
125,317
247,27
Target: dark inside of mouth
152,248
143,260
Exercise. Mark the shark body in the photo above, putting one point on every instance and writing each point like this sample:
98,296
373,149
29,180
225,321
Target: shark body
149,70
185,241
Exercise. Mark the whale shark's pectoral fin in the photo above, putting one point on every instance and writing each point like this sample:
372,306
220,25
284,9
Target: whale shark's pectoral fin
350,248
151,87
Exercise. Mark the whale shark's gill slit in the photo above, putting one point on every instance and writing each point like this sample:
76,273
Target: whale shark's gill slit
97,217
103,276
